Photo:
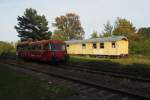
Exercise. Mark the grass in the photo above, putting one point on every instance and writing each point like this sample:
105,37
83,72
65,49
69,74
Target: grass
137,65
139,59
18,86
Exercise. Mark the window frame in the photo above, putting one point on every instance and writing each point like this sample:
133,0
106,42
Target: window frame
94,45
53,47
113,44
102,45
83,46
46,46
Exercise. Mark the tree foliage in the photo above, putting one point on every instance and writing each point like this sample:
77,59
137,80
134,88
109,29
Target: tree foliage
142,45
94,35
108,28
32,26
6,48
69,26
144,32
58,35
123,27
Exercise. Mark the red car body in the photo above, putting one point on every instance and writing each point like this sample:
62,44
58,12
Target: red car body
46,50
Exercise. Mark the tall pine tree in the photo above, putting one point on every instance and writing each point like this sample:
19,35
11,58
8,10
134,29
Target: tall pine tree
32,26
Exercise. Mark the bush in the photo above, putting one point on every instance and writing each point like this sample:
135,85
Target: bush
140,47
6,49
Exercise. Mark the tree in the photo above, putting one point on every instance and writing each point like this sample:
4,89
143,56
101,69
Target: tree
107,29
94,35
32,26
6,48
144,32
70,26
58,35
124,27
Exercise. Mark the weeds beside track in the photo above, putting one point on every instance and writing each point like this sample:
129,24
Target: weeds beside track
85,78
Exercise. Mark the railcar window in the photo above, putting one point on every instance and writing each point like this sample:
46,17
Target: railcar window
25,47
46,46
83,46
33,47
30,47
94,45
57,47
113,45
36,47
18,47
39,47
101,45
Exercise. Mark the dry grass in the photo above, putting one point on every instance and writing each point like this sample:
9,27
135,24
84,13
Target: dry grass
133,59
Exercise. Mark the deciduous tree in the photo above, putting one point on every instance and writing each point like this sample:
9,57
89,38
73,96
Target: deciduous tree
124,27
58,35
6,47
107,30
94,35
144,32
70,26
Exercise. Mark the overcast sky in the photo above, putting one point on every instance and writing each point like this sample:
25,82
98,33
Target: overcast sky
93,13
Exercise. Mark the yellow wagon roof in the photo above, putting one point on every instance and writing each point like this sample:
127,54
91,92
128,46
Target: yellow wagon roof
105,39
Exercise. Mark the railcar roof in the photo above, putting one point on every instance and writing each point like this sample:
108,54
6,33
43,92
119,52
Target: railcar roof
106,39
47,41
42,42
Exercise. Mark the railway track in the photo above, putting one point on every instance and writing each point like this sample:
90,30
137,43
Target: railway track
99,72
95,71
87,92
108,73
82,82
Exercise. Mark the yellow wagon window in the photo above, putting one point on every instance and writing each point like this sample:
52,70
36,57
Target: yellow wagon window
94,45
113,45
101,45
83,46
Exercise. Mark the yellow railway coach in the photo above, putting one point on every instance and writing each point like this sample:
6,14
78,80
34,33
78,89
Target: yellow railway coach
116,46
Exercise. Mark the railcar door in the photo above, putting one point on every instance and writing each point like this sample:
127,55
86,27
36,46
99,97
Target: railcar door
39,52
47,54
58,51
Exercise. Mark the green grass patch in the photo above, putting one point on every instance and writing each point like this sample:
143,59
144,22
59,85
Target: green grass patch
138,59
17,86
137,65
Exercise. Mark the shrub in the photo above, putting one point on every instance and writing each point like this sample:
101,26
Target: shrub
6,49
140,47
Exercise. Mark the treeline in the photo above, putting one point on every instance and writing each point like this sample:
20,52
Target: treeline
33,26
6,49
139,39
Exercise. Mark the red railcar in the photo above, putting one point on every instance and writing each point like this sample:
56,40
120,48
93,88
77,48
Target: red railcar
46,50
